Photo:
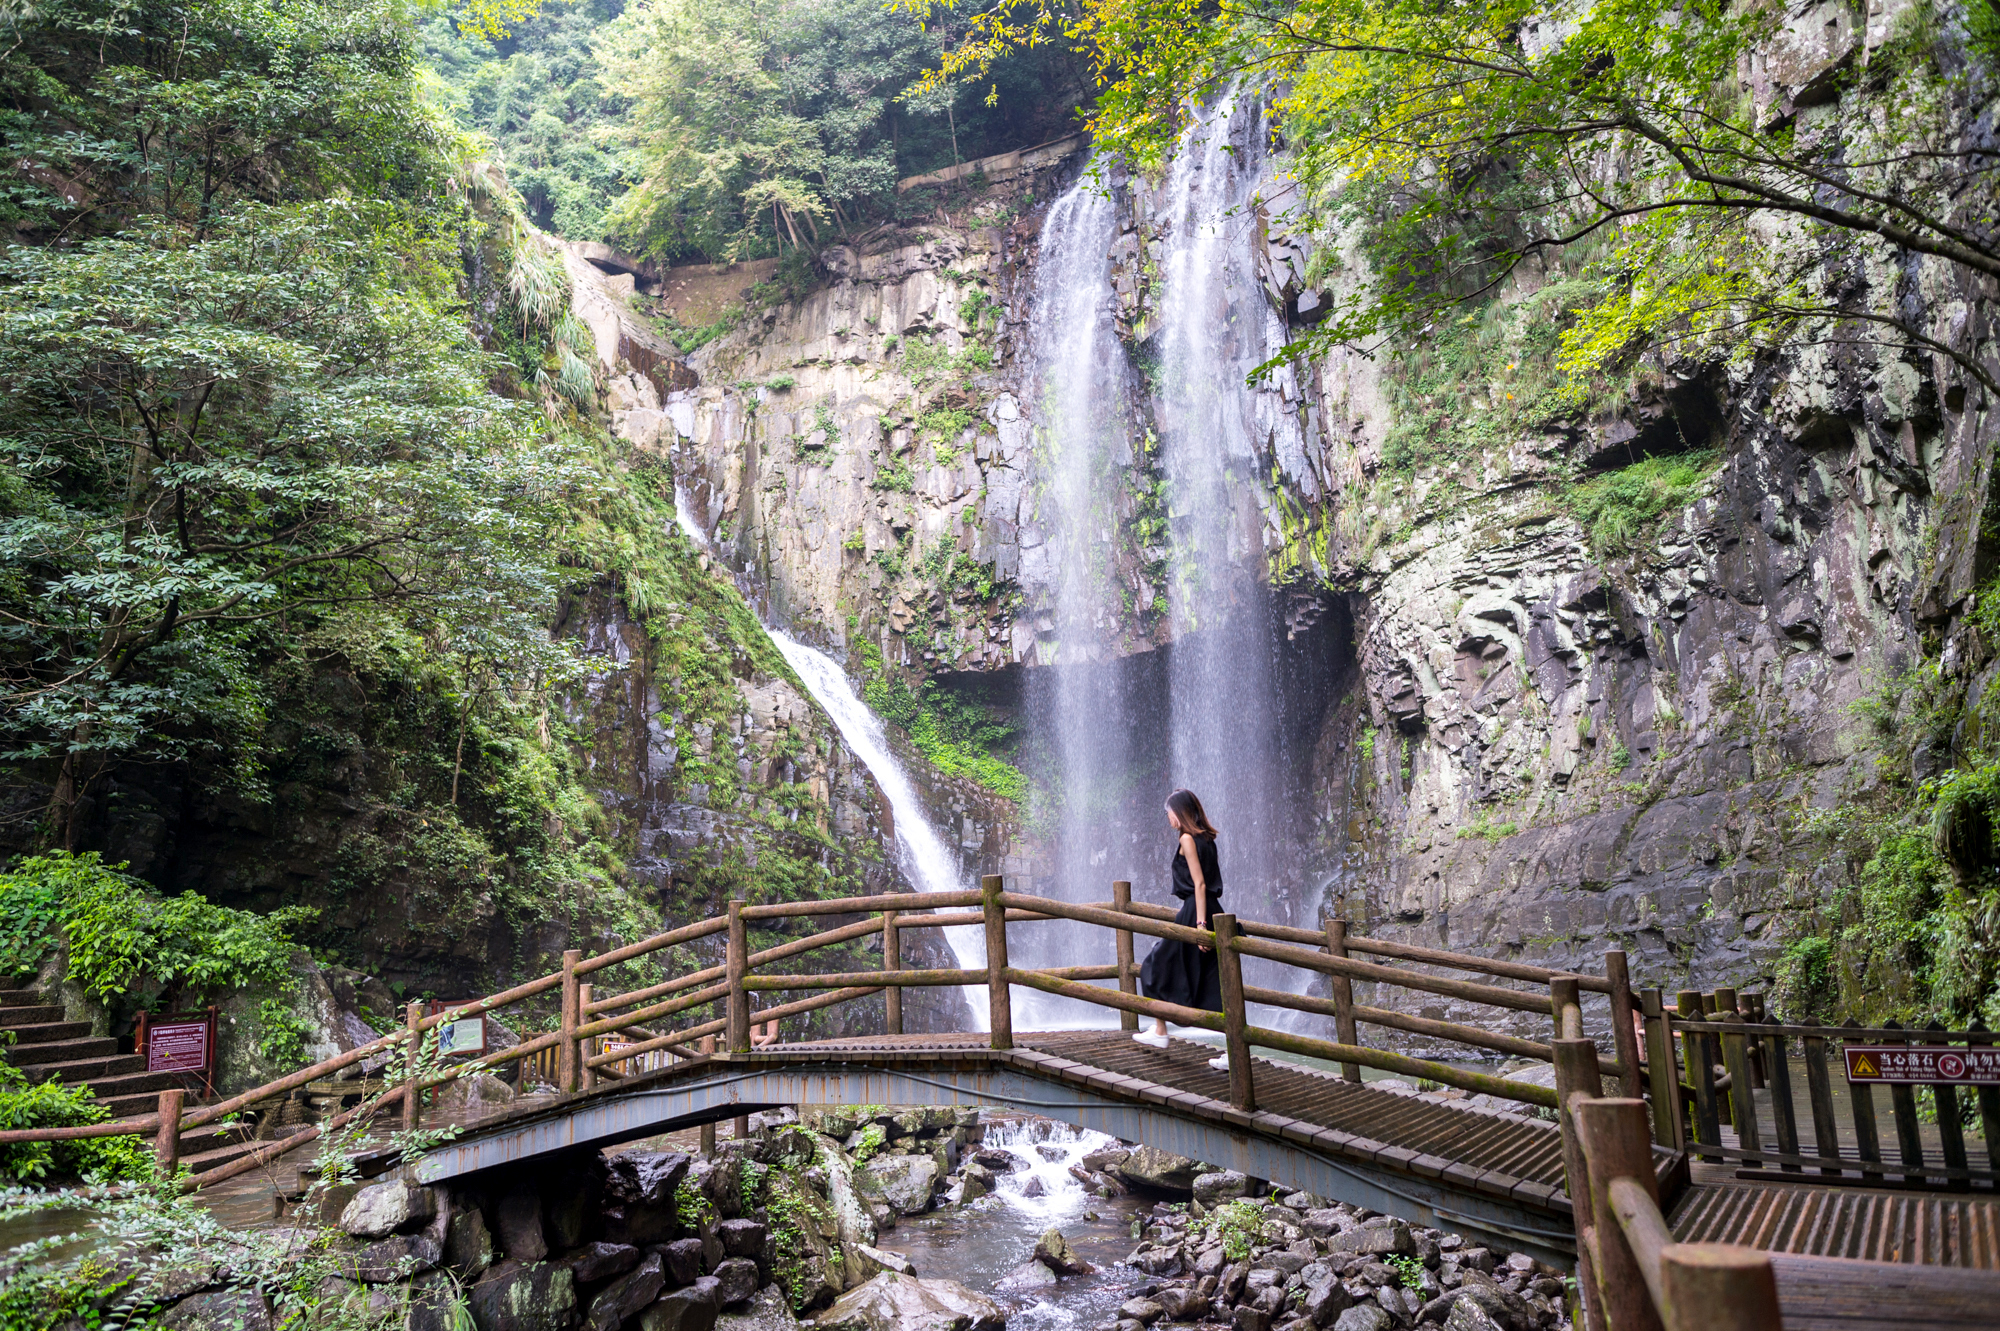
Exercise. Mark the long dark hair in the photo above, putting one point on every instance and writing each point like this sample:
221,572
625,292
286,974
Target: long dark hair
1185,806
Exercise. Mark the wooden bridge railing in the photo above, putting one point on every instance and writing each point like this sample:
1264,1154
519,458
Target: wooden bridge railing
574,1056
1632,1274
1729,1050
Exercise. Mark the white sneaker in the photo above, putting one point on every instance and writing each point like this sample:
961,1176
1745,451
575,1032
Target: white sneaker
1147,1037
1220,1062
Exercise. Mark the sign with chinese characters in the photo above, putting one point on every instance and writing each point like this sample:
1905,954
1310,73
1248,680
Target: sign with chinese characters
466,1036
1922,1065
180,1046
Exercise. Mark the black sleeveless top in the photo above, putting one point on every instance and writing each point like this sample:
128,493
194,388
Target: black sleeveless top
1211,869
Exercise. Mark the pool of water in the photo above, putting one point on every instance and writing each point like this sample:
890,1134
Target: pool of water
979,1244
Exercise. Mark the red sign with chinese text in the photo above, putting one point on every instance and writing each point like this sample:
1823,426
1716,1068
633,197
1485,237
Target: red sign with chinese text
180,1046
1921,1065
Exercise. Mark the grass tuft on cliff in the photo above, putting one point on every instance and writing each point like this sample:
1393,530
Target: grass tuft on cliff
1619,509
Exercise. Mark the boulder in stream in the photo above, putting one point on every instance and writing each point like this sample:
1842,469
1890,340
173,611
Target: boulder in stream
1054,1252
1161,1171
904,1182
892,1302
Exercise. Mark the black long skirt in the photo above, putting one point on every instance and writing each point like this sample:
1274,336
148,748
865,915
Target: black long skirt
1177,972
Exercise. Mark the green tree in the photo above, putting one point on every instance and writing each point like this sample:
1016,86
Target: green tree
539,93
1461,141
244,409
756,119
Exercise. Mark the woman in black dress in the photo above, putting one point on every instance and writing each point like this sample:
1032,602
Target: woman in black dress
1177,972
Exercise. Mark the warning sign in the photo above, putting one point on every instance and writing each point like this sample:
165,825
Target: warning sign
178,1046
1918,1065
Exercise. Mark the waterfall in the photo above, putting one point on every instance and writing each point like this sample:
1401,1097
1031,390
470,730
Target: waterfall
1216,434
923,855
1081,405
930,864
1121,720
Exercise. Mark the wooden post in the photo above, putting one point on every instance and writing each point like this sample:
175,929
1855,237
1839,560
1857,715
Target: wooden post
892,960
1752,1007
1989,1102
1662,1072
736,968
707,1130
1909,1137
1624,1035
1566,1006
1615,1146
1701,1071
1577,1075
1128,972
1951,1133
1819,1094
569,1056
1861,1103
167,1138
1718,1287
413,1090
1000,1004
1778,1080
1343,996
1241,1093
586,1074
1736,1060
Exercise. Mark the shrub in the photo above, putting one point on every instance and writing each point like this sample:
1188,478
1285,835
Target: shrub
119,930
54,1105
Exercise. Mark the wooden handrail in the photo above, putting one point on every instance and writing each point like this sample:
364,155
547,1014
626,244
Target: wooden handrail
857,905
1483,1083
1109,919
1471,991
587,1017
1642,1279
1512,970
847,979
1454,1031
685,934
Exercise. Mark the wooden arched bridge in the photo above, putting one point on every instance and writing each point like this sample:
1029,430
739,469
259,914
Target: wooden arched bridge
1684,1197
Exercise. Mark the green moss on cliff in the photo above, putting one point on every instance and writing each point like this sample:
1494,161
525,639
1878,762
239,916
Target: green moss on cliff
959,737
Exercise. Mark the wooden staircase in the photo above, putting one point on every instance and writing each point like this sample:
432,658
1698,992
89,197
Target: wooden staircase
45,1047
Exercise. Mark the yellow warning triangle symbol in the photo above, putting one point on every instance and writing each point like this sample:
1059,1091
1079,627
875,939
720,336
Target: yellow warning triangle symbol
1863,1068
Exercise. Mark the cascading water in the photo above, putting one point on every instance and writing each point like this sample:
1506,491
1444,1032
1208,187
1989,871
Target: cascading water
1217,434
1081,405
1044,1150
925,857
1120,726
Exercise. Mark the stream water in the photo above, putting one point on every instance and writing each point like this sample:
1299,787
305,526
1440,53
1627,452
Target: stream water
980,1244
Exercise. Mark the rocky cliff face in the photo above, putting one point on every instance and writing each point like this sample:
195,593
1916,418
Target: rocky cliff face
1556,735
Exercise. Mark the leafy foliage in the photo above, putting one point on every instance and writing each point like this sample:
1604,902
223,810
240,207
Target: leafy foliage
1463,141
956,734
754,123
51,1104
243,400
538,91
118,930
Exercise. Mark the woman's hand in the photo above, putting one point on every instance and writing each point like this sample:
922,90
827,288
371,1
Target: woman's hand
1203,924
